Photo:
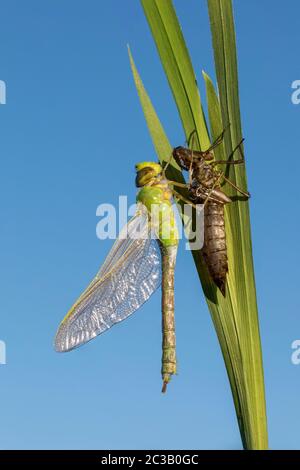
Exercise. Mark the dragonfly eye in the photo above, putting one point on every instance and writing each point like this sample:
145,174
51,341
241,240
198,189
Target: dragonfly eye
144,176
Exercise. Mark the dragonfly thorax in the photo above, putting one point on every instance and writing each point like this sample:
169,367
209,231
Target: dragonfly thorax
204,174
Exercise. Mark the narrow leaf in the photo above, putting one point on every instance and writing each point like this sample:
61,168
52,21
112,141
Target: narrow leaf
177,64
223,35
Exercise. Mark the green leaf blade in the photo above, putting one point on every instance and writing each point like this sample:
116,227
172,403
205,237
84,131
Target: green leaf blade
223,35
177,65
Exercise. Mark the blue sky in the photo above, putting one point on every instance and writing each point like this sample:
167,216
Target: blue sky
71,132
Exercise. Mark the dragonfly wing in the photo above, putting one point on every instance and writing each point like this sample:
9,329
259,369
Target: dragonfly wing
129,275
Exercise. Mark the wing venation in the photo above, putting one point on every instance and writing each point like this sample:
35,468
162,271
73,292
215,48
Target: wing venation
129,275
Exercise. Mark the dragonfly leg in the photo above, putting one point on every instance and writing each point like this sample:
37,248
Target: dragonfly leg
166,166
216,182
180,185
192,134
231,162
226,162
184,199
191,169
245,193
218,140
236,148
191,139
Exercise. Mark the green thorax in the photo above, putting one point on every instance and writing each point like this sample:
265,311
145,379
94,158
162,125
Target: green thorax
156,196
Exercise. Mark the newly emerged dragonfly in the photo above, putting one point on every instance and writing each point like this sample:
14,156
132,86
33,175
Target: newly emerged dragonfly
142,258
205,188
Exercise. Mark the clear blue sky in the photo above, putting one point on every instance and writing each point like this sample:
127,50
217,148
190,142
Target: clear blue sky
71,132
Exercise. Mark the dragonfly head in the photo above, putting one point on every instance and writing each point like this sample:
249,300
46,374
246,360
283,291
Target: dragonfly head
146,173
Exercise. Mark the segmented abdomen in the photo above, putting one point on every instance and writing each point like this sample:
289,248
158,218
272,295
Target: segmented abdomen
214,248
168,319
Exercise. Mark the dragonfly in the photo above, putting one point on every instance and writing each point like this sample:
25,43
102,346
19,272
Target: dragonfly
142,258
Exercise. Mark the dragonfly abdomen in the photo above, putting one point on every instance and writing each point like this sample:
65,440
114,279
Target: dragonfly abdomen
168,319
214,248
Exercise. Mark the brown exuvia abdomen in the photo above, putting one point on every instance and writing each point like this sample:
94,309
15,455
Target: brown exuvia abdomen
214,249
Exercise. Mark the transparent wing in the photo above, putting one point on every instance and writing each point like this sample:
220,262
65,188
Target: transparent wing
129,275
